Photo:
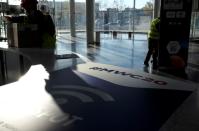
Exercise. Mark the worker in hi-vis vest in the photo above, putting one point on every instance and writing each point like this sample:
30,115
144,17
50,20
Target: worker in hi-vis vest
153,41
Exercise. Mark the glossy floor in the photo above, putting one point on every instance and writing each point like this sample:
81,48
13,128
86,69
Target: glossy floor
130,54
124,52
141,103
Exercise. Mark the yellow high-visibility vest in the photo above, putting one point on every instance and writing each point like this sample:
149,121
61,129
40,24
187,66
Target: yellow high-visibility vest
154,33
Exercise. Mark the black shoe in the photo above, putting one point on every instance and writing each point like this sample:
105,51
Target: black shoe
146,64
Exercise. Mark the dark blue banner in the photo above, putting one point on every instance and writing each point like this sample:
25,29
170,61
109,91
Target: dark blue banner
75,101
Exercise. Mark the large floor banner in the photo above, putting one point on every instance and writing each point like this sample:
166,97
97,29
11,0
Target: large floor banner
90,97
174,33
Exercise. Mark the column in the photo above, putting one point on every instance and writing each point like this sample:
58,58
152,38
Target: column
90,21
72,18
156,9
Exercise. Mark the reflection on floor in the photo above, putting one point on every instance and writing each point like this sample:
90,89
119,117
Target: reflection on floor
123,52
110,97
130,54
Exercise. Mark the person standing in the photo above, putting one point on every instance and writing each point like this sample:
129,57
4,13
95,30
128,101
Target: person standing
45,25
153,41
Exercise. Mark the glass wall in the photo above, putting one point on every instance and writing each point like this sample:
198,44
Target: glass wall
194,31
123,15
62,16
110,15
80,18
60,11
80,15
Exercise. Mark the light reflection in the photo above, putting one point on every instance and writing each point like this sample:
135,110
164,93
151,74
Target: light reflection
43,115
35,76
28,106
4,45
25,96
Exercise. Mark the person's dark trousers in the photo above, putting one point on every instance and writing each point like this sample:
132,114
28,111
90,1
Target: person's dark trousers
148,56
155,55
152,50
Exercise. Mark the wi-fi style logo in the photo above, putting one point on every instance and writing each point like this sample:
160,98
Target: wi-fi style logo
62,92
